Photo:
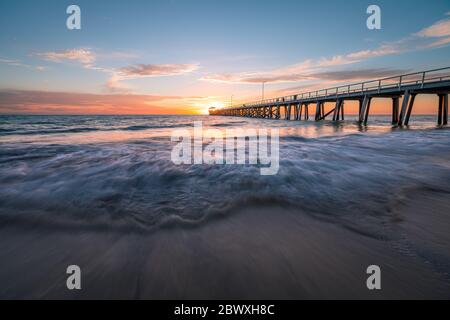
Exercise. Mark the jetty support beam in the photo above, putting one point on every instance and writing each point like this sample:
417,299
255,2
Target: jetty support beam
443,109
365,108
410,107
395,106
405,103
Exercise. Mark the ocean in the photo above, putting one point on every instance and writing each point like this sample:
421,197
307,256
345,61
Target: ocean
102,192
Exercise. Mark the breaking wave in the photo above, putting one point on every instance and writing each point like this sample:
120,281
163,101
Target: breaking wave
133,183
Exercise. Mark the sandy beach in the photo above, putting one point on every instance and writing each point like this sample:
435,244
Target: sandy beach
262,253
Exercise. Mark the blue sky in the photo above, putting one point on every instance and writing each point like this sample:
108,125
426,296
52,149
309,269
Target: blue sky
194,53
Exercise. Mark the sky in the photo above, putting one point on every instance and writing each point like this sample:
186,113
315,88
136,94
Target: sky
184,56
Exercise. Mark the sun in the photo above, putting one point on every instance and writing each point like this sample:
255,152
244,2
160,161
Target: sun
205,106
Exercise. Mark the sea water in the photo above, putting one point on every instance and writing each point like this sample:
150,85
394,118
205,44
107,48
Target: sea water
103,193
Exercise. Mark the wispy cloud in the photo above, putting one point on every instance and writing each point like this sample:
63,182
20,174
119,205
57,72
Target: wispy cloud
341,77
83,55
116,82
359,74
88,59
156,70
18,63
12,62
115,85
439,43
307,70
437,30
436,35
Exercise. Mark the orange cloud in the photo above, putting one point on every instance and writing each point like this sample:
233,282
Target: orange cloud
42,102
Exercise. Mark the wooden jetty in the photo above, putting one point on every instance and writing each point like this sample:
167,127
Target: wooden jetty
406,86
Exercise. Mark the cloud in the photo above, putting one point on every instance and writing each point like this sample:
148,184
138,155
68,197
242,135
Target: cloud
83,56
335,78
359,74
12,62
309,69
44,102
436,35
384,49
254,78
18,63
115,83
156,70
437,30
306,70
439,43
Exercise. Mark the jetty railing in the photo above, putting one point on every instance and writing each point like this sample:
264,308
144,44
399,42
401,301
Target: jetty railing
422,78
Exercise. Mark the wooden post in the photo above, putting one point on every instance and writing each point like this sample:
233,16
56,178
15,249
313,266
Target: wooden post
318,111
441,109
363,108
395,105
306,111
445,116
336,113
366,117
404,107
410,107
339,110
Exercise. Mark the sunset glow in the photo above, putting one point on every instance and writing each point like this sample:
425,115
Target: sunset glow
204,62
